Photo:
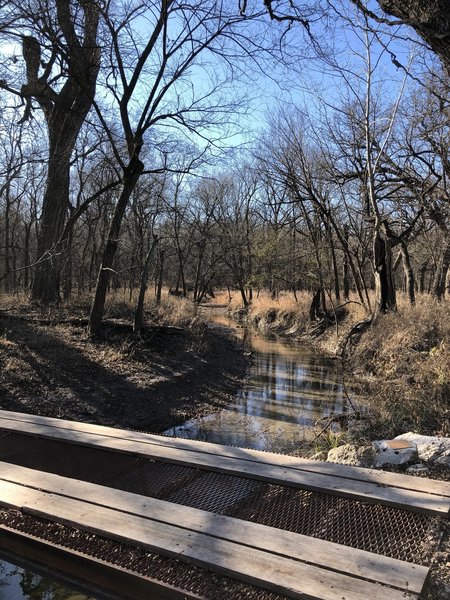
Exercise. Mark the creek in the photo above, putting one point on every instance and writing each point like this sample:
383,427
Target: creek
17,583
287,390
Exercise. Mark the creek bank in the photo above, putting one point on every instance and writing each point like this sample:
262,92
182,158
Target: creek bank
399,367
418,453
168,375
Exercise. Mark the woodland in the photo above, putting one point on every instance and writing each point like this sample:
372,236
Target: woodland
286,160
132,152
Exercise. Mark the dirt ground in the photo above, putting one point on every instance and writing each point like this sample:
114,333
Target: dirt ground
170,374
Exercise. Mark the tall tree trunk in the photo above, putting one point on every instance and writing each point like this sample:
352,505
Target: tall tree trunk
422,275
65,110
139,312
345,274
7,236
409,273
130,179
198,270
160,277
337,290
442,270
54,210
26,257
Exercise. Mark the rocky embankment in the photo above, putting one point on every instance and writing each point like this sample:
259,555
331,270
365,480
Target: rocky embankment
419,453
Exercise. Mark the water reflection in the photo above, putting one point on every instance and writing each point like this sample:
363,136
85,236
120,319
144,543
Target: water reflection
19,584
287,391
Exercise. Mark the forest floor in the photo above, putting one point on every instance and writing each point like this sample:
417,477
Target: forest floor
49,366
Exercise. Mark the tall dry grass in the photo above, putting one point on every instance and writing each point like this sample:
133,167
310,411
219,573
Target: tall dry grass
406,357
284,314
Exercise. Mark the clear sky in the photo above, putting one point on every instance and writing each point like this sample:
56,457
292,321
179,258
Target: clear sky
297,75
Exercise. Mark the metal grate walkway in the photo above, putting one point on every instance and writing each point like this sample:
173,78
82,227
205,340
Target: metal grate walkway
376,528
176,519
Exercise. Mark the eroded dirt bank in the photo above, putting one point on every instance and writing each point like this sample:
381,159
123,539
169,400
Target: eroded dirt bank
169,375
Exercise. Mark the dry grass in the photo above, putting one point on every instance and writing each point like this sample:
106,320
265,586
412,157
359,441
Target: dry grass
178,312
280,315
283,314
406,356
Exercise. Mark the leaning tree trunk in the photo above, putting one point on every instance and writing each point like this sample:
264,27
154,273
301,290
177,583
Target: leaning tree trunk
130,179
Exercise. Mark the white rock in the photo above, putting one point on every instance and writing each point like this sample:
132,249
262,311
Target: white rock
348,454
430,449
389,452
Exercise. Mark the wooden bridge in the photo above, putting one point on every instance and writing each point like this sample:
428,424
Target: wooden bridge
137,516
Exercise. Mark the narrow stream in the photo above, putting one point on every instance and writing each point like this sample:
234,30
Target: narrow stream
287,391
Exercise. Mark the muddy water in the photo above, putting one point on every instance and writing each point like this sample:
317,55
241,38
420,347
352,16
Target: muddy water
287,391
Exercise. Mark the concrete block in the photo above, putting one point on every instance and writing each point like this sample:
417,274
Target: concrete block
394,452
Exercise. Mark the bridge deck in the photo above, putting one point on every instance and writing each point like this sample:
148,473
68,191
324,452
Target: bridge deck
279,559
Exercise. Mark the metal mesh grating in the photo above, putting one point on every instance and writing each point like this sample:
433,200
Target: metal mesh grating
68,460
170,571
215,492
154,479
372,527
376,528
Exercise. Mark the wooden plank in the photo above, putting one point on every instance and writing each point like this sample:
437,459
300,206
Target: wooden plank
15,496
270,571
349,488
319,552
428,486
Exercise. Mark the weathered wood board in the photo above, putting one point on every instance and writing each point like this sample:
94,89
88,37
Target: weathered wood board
428,486
411,493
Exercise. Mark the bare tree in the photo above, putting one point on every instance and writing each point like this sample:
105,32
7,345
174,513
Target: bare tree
149,77
62,60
